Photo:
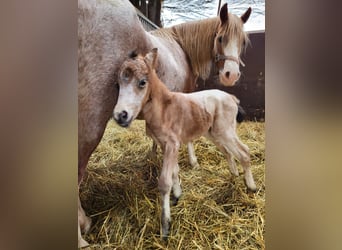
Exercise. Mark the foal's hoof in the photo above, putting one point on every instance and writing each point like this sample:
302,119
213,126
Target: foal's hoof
235,172
174,200
195,165
251,188
165,238
166,225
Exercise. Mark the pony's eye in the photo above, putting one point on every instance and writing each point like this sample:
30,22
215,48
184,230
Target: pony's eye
142,83
219,39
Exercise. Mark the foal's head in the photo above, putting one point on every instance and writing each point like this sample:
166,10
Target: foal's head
134,86
229,42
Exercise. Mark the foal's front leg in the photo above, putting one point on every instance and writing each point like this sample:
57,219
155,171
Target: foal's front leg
166,183
153,153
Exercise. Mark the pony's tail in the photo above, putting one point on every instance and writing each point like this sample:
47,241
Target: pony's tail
241,112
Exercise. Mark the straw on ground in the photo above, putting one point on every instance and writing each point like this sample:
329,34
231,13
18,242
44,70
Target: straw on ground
120,193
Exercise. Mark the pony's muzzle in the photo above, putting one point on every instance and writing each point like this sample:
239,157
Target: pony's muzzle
122,118
229,78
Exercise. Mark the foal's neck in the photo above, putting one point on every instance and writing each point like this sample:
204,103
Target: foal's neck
159,97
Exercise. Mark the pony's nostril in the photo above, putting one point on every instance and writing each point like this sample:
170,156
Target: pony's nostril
227,74
123,115
239,74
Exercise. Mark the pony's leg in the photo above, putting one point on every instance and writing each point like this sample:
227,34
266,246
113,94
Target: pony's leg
84,223
192,155
81,241
176,188
165,184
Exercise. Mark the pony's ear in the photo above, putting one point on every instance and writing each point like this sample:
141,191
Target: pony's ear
224,14
151,58
246,15
133,54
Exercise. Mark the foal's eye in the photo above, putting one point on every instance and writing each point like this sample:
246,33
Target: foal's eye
142,83
219,39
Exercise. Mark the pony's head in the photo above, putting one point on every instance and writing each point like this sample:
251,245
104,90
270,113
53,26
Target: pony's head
134,86
229,42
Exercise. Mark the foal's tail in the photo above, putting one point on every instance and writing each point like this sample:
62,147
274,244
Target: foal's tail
241,112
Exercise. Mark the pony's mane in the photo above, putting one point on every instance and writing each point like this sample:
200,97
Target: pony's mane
197,40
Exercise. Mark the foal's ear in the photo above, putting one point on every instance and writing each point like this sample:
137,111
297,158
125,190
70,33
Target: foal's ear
151,58
246,15
224,14
133,54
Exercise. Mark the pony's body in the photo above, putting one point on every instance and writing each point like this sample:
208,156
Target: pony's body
173,118
107,32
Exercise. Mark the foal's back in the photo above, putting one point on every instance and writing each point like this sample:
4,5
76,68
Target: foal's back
215,102
194,114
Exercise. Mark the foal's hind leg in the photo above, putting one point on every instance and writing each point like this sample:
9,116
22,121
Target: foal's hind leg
231,143
231,163
241,152
192,156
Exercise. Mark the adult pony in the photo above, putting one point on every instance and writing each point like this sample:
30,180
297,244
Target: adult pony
109,30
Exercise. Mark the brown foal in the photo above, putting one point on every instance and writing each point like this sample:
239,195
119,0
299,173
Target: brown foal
173,118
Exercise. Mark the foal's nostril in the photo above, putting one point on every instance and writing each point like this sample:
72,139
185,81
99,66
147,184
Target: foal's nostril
239,74
227,74
123,115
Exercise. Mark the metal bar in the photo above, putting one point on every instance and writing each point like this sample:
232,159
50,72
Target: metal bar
147,23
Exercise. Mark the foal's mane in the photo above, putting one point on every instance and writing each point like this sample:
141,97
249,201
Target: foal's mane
197,40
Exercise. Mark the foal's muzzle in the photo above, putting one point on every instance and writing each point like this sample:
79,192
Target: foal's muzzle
122,118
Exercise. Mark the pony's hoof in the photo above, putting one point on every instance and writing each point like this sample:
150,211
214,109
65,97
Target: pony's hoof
82,243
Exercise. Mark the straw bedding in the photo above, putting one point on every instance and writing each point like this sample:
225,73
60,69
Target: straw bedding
120,194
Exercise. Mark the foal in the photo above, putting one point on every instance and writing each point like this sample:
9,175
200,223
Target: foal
173,118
